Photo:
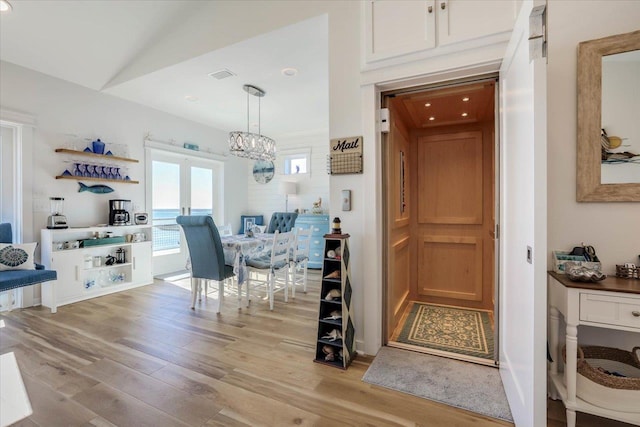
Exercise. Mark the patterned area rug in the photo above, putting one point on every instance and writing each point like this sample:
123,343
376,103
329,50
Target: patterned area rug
457,330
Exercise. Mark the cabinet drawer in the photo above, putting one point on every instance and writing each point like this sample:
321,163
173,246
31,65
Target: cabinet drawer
610,310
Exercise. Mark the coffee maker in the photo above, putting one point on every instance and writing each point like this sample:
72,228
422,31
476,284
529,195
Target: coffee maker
119,212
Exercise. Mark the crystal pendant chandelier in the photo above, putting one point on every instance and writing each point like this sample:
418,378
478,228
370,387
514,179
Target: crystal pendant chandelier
252,145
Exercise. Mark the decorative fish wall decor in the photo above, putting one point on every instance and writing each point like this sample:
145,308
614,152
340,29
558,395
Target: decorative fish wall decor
96,189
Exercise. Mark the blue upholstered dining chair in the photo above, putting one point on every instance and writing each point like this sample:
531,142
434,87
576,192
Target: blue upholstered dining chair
207,255
282,221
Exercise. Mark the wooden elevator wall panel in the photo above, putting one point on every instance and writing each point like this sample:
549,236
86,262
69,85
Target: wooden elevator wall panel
450,178
450,267
400,257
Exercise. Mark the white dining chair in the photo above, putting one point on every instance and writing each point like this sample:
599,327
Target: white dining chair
299,260
225,230
276,267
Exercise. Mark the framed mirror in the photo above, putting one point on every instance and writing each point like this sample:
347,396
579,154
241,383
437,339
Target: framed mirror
608,158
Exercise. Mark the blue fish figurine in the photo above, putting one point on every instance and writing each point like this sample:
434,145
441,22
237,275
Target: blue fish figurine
96,189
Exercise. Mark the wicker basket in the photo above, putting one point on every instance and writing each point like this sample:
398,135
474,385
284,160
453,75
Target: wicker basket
606,390
627,272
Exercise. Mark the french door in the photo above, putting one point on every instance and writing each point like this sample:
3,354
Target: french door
179,184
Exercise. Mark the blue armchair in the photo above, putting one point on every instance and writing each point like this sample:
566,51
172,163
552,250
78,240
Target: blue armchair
207,256
282,221
14,279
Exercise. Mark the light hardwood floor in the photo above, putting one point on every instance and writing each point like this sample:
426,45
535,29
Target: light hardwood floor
143,358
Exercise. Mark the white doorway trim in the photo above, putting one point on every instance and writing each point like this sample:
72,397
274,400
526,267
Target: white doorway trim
373,243
22,126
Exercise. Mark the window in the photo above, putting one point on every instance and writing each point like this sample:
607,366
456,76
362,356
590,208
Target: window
296,162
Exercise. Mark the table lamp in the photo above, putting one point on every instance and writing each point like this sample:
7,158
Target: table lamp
287,188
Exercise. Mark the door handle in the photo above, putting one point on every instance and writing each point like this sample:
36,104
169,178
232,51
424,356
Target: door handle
636,313
443,5
430,9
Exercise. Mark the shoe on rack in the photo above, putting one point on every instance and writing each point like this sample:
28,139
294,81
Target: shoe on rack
333,275
334,315
333,294
333,335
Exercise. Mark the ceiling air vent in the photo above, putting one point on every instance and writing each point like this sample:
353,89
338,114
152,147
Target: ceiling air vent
222,74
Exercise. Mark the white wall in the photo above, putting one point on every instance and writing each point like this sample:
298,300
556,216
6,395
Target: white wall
612,228
61,108
265,198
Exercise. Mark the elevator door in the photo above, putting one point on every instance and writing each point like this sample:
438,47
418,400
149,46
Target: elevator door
454,222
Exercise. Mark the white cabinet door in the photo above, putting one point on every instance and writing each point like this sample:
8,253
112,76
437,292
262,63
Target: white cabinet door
68,266
398,27
141,259
465,20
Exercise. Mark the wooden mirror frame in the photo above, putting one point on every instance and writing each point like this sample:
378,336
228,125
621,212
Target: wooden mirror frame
589,164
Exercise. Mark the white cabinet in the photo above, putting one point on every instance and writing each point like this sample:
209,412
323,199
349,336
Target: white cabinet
397,28
83,272
464,20
141,262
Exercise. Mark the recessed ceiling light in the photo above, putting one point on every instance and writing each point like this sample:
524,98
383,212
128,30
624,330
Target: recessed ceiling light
5,6
432,118
191,98
428,104
289,71
465,99
464,114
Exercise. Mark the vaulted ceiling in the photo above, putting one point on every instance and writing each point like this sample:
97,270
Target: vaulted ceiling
160,54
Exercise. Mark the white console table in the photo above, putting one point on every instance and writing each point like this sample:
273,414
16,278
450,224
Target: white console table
613,304
77,281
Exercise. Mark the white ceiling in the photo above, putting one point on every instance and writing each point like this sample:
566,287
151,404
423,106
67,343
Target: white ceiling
91,43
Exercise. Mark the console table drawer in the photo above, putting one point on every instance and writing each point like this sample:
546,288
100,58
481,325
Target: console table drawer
610,310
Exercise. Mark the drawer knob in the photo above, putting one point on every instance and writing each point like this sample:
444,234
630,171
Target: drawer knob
636,313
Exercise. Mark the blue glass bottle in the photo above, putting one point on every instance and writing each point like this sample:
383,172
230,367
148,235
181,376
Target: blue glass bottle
98,146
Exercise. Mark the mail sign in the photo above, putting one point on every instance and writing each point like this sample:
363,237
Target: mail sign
351,145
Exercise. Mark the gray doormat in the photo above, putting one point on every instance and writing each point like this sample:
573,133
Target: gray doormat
464,385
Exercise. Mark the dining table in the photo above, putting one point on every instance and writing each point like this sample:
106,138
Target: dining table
239,248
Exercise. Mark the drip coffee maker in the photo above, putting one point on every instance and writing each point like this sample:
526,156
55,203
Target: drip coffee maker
119,212
56,219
